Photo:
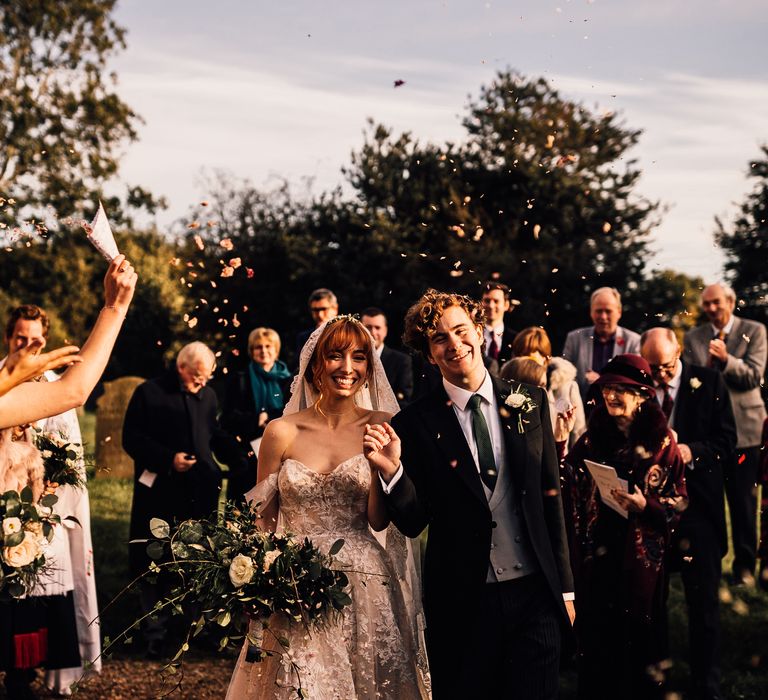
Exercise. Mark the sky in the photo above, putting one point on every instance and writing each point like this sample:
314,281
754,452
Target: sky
268,90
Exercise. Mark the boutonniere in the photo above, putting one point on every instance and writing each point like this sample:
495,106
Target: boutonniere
620,342
521,402
695,383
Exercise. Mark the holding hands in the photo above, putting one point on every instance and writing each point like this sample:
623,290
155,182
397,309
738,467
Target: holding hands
381,447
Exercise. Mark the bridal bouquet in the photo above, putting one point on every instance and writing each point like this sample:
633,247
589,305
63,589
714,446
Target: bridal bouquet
229,571
25,527
63,460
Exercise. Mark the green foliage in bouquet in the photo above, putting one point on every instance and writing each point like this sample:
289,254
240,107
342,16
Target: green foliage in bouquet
63,460
25,527
226,571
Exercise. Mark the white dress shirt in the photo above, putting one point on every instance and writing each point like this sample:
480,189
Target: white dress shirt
489,333
674,387
727,328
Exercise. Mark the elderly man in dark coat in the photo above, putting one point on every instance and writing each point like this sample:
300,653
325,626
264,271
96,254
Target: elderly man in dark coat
170,430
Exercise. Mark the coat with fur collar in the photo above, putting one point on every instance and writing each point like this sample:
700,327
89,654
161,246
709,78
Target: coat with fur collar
648,457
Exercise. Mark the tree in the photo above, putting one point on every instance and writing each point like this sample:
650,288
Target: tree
65,275
669,298
541,194
62,125
745,243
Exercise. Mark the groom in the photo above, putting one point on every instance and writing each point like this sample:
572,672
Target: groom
481,471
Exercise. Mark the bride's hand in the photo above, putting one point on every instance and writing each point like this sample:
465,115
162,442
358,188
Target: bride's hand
381,447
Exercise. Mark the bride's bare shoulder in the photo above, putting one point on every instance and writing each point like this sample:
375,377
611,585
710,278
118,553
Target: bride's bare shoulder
379,417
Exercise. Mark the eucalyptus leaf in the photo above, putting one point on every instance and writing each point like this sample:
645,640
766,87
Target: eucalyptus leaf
155,550
49,500
336,547
14,539
159,528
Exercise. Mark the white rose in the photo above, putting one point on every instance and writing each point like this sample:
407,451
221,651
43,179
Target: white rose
695,383
24,553
11,526
515,400
241,570
269,559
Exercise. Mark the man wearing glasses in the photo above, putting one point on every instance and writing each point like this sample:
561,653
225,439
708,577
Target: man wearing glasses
698,408
170,431
323,306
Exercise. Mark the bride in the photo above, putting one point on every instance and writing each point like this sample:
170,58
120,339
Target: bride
314,481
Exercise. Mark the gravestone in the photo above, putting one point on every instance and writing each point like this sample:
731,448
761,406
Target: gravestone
111,461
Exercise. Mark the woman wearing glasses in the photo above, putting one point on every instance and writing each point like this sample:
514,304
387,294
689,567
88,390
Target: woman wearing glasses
617,553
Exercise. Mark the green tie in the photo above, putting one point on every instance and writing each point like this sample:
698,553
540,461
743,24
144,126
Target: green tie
483,441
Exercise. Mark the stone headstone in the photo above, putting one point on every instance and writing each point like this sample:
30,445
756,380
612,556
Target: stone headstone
111,460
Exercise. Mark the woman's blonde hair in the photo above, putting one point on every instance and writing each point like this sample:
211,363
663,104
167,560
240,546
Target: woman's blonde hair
526,370
267,334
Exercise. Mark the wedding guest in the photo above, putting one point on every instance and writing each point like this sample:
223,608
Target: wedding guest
254,397
698,408
323,305
737,348
72,562
618,546
483,475
590,348
170,432
763,547
498,336
23,402
397,365
562,388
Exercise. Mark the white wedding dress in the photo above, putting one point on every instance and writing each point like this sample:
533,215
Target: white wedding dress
371,650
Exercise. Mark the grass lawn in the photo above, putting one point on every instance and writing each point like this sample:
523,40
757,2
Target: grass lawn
744,612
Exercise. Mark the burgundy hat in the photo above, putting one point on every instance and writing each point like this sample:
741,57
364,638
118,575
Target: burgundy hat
628,369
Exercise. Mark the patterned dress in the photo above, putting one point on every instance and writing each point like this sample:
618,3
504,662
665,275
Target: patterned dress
371,650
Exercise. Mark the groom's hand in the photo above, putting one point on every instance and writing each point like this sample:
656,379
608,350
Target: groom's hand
570,608
381,447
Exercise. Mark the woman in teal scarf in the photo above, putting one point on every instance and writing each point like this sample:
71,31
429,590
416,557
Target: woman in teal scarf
255,397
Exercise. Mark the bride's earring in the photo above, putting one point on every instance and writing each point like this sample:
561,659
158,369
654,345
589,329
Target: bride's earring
366,384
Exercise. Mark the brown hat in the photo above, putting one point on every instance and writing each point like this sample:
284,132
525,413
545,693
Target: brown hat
631,370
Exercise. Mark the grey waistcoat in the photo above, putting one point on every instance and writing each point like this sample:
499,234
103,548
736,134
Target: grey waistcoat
511,555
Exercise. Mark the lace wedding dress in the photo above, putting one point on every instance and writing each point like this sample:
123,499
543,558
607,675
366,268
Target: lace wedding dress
372,650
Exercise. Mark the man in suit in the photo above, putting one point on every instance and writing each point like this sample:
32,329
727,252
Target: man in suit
698,408
590,348
498,336
479,468
737,349
170,431
323,305
397,365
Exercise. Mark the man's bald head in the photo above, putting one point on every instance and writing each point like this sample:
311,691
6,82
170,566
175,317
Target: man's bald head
661,350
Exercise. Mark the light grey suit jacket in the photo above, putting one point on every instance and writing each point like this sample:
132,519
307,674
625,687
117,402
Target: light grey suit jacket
743,372
578,350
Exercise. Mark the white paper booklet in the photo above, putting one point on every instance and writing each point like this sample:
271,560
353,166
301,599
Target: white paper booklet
100,235
607,479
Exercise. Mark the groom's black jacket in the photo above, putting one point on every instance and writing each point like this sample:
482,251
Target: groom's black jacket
441,488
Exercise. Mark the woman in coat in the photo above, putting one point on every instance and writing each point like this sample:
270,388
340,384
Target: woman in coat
254,397
618,557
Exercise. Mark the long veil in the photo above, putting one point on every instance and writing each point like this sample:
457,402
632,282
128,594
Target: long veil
404,552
